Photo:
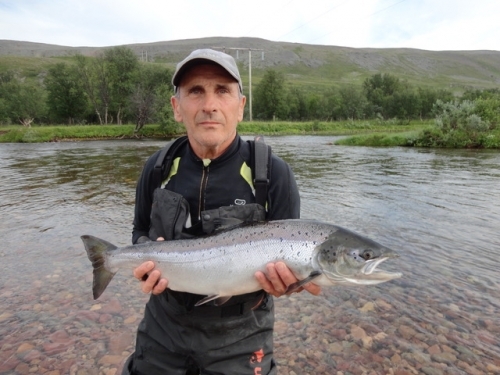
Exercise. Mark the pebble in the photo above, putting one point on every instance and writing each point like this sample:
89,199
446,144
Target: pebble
346,331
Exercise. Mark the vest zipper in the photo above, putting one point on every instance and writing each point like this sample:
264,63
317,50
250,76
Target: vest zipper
203,186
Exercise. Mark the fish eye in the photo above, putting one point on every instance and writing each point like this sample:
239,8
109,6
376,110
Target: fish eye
367,255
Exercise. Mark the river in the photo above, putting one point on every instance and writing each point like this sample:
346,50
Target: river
439,209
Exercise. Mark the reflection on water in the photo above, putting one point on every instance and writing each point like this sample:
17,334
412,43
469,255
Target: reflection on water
440,209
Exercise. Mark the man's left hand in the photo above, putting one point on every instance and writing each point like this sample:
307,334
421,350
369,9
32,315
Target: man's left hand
279,277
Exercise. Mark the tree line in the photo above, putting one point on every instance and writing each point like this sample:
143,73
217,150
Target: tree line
115,87
381,95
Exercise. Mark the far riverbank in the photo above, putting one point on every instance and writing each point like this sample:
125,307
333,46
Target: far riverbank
56,133
359,133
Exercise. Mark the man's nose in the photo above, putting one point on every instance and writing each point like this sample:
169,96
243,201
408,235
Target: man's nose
210,103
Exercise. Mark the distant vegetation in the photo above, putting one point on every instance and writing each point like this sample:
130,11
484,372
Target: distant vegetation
55,133
116,88
470,123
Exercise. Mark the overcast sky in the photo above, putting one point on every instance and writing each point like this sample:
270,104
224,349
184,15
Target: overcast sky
424,24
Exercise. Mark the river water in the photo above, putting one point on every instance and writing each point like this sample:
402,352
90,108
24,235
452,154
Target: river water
439,209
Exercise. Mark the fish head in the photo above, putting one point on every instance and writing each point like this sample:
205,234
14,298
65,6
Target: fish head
347,257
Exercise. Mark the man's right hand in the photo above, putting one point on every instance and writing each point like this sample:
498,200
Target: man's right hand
151,279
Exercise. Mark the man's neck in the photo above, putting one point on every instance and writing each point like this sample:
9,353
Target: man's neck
210,152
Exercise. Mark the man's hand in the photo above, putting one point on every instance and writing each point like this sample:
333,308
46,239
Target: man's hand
279,277
151,279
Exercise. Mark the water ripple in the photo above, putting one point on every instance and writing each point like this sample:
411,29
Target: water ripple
439,209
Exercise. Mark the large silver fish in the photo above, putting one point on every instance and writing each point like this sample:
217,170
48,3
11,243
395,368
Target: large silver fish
222,265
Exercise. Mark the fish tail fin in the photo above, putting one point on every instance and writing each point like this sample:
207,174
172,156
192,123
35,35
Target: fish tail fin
97,252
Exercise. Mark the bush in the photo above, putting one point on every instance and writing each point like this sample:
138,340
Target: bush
460,124
432,137
453,115
489,110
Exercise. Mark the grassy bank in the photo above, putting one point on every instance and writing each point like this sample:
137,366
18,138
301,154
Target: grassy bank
360,133
427,137
17,134
380,139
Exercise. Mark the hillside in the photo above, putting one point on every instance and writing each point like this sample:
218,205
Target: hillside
314,66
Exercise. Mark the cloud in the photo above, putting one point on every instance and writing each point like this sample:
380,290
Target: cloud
438,25
425,24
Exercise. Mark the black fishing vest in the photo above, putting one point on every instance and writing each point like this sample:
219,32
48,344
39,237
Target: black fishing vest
261,157
170,209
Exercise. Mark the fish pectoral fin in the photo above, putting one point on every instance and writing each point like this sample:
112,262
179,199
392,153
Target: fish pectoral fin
299,284
218,300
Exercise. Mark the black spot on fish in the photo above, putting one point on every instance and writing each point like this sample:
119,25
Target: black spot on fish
328,250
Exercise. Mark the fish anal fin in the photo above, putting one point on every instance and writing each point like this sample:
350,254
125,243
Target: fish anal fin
299,284
218,300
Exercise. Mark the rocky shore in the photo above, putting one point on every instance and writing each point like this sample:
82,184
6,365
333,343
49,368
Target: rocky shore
346,331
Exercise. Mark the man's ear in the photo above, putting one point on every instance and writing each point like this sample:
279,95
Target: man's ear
241,109
174,101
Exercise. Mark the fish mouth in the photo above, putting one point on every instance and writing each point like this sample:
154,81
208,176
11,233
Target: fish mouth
368,274
370,271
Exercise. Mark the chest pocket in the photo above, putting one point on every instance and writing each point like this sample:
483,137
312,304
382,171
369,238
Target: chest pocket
170,217
227,217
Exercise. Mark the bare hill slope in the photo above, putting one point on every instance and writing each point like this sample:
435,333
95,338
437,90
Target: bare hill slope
314,65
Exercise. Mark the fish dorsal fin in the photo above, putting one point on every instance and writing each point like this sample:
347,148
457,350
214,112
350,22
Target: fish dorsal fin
293,287
218,301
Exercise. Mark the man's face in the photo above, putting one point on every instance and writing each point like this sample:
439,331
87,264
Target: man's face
210,106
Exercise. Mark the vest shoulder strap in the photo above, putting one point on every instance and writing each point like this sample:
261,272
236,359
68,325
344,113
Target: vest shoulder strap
261,169
164,160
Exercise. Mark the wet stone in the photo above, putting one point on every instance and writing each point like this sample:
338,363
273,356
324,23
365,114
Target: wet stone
444,357
431,371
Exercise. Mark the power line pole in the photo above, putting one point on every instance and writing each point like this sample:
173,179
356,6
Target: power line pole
249,71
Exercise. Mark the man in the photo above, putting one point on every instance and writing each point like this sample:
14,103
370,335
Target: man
207,177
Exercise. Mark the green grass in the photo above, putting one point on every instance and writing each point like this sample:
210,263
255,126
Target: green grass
427,137
360,133
18,134
324,128
379,140
15,134
30,67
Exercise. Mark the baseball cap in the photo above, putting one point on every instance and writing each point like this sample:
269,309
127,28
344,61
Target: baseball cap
220,58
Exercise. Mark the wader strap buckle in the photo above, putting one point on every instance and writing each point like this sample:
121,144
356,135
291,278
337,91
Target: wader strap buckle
233,310
242,308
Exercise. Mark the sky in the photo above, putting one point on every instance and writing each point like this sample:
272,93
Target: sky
423,24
